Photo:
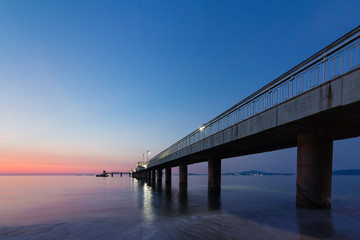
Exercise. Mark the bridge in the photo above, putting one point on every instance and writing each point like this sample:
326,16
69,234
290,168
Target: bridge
308,107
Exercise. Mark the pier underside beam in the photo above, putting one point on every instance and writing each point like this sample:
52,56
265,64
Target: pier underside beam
314,170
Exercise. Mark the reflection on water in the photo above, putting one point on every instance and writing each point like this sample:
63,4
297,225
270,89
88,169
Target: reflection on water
148,203
214,200
151,193
126,208
315,223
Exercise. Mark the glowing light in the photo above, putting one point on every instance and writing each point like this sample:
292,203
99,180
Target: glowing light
147,204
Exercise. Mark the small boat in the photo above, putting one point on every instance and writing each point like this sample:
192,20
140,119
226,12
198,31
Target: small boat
104,174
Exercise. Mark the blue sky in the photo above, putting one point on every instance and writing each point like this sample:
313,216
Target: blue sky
95,84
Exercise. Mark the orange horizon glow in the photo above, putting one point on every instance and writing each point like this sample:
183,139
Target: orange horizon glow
15,162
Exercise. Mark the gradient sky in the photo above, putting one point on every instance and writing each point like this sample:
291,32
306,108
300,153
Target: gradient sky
92,85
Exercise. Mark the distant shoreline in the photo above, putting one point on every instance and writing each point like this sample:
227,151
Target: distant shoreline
45,174
345,172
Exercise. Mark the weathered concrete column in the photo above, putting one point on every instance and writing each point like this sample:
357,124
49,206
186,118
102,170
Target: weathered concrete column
214,174
168,175
183,175
314,170
159,175
153,175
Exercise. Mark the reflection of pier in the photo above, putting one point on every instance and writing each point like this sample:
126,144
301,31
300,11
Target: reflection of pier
308,107
157,198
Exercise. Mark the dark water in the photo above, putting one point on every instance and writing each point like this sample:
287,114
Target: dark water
249,207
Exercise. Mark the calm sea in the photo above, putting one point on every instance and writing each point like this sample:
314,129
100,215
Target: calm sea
249,207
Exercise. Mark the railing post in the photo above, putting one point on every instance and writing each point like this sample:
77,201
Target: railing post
324,69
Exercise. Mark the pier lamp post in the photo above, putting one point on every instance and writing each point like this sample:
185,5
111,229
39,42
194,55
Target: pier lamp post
147,155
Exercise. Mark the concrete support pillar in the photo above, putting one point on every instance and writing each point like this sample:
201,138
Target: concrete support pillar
314,170
153,175
168,175
214,200
159,175
183,175
214,174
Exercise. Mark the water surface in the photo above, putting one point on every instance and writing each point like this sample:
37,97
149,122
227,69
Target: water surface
249,207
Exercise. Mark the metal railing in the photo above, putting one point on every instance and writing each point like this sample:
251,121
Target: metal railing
334,60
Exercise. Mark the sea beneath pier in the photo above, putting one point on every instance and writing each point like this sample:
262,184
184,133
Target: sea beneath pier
249,207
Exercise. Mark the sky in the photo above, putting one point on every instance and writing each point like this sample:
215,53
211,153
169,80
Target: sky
93,85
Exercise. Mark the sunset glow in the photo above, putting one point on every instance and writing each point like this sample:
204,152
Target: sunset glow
30,162
87,86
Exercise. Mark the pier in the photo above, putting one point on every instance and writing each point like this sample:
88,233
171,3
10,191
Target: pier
308,107
106,174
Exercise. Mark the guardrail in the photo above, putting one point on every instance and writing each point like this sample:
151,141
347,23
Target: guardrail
334,60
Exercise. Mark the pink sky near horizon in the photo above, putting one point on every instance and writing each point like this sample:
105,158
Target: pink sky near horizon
24,162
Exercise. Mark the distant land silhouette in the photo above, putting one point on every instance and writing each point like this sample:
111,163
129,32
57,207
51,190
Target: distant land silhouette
258,173
349,172
345,172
